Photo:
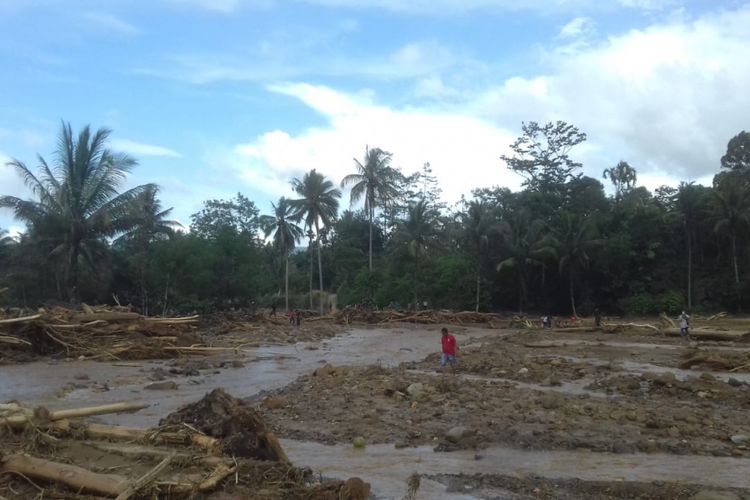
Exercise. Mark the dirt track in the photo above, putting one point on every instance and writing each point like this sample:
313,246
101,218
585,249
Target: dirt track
590,395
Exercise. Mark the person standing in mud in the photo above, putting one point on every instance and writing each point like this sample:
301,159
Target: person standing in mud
449,350
684,325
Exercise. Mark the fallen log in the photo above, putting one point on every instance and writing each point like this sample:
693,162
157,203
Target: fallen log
711,334
76,478
16,421
23,319
103,431
5,339
106,316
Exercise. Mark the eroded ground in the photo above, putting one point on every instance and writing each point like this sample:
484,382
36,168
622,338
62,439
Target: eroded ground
530,414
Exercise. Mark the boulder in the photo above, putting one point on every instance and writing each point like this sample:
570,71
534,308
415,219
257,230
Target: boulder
740,439
162,386
456,434
415,390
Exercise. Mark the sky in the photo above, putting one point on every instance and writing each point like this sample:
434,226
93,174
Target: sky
215,97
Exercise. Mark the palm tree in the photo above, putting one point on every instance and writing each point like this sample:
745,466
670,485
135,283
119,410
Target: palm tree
418,233
733,215
687,205
375,180
318,206
575,238
5,238
285,235
623,178
526,245
479,222
79,202
149,223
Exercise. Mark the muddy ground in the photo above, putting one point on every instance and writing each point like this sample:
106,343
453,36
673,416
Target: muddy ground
651,413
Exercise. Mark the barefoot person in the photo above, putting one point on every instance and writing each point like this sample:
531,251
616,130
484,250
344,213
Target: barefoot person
684,325
449,350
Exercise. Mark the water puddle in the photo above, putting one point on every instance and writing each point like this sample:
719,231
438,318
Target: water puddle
388,468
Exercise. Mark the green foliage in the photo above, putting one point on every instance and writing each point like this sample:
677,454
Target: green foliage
238,216
644,304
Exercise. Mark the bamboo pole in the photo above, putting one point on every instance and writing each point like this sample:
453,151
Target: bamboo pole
23,319
77,478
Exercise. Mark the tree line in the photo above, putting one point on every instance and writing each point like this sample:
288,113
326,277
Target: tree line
559,245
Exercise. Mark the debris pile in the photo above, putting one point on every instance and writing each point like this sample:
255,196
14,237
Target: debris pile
425,317
57,454
107,333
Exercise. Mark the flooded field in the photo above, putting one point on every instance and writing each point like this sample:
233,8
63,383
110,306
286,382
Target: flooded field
574,413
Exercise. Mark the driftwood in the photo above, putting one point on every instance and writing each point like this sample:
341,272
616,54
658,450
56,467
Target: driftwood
145,480
711,334
77,478
22,418
24,319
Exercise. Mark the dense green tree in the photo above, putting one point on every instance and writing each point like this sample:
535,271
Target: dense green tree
732,215
479,222
238,215
540,155
575,237
418,233
317,206
526,244
623,178
375,181
285,234
78,200
737,157
687,203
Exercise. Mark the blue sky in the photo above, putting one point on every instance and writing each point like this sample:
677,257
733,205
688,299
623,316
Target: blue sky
215,97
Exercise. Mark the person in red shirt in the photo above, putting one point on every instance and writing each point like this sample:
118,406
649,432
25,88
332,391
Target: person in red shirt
449,350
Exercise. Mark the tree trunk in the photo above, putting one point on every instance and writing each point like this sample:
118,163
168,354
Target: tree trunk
320,266
734,258
371,216
311,267
690,271
572,297
286,284
476,309
72,274
522,291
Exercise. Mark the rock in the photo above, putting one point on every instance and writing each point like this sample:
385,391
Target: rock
415,390
456,434
237,363
702,394
355,489
734,382
274,403
739,439
162,386
326,370
714,495
358,442
81,376
707,377
674,432
523,371
550,402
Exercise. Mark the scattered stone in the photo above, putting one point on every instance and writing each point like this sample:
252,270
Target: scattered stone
326,370
274,403
162,386
237,363
702,394
523,371
739,439
415,390
81,376
734,382
456,434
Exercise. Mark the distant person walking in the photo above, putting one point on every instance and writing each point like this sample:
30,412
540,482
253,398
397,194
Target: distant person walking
449,350
684,325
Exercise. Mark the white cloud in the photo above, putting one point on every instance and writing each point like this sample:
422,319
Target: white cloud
270,63
463,151
577,27
140,149
110,23
666,98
